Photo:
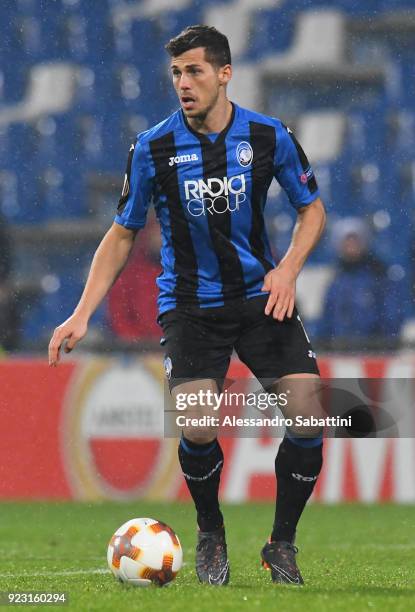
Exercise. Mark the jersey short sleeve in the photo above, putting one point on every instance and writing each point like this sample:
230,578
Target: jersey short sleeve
292,169
137,189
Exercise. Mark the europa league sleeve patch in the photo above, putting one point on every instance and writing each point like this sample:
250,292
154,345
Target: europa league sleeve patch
126,186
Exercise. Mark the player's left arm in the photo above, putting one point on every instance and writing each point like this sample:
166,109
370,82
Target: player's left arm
295,175
280,281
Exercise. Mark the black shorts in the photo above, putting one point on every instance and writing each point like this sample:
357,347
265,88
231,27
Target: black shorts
199,342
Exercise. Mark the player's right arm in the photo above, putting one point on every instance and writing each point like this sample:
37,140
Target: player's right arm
108,262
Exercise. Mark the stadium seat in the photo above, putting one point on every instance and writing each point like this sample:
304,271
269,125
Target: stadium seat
319,41
367,182
148,9
235,19
13,81
50,90
88,97
318,44
321,134
17,171
123,42
270,29
9,195
29,37
396,5
311,288
406,177
73,33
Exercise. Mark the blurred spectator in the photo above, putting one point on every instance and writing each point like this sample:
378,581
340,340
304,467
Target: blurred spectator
360,302
132,302
8,312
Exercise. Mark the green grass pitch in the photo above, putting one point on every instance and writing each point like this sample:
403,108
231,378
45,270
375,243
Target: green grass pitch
353,557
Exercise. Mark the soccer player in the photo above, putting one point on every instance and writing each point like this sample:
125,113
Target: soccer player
207,169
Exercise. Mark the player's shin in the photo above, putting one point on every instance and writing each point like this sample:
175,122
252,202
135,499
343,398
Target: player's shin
297,467
202,465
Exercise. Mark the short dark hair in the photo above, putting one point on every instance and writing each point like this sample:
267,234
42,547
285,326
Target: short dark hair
217,51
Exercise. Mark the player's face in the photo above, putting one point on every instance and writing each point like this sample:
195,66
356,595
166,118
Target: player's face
198,83
353,248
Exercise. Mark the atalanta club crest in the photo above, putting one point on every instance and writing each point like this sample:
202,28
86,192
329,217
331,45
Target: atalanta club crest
244,153
168,366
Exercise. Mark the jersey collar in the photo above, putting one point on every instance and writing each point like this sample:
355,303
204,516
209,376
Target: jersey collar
203,138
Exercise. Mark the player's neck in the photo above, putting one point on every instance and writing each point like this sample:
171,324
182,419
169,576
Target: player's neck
215,121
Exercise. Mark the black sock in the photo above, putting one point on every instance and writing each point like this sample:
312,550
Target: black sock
202,465
297,466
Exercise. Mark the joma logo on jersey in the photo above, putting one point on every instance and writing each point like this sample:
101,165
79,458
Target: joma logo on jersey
180,159
215,195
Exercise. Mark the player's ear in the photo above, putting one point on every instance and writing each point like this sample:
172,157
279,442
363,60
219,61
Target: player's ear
225,74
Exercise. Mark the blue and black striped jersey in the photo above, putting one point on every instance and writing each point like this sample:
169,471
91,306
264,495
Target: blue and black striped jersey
209,192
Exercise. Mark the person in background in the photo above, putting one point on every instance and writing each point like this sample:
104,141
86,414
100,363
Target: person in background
132,302
359,301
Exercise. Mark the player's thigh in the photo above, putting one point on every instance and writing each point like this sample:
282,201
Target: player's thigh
198,416
196,348
272,349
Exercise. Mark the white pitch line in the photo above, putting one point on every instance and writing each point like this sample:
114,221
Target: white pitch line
372,546
57,573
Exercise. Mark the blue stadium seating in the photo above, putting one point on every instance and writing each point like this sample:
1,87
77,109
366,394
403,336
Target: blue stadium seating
124,86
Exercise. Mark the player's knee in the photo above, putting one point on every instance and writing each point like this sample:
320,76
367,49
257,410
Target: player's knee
199,434
305,431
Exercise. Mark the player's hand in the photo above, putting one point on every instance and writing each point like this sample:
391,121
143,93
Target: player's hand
69,332
280,283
